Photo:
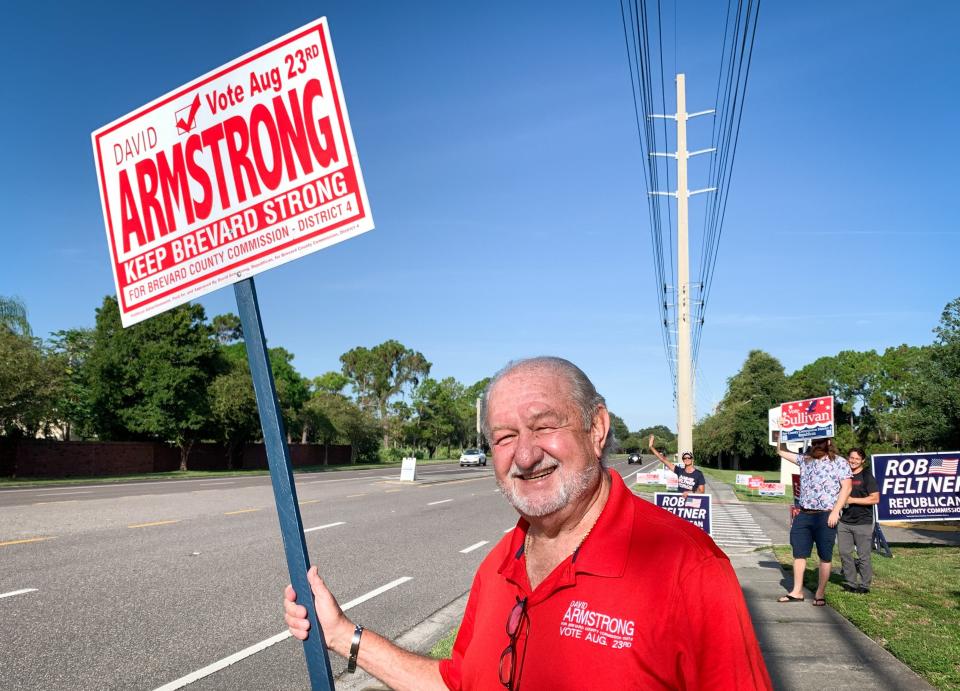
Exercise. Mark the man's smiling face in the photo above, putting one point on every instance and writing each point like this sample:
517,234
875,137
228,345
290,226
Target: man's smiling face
543,458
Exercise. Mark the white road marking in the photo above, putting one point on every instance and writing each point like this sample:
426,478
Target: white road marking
17,592
442,501
478,545
328,525
263,645
373,593
56,494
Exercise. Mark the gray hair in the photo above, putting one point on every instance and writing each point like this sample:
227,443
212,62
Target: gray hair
583,394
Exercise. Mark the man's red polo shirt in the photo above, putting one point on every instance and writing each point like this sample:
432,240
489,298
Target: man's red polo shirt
649,602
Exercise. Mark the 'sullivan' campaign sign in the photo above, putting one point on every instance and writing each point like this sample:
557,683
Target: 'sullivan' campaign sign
808,419
918,486
248,167
694,508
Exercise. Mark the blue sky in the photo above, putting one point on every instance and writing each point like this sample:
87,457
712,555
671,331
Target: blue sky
501,159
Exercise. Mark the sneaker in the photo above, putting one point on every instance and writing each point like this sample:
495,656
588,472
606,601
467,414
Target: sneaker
863,590
850,588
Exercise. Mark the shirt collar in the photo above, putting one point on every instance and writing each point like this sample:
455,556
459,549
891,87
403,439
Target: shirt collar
603,553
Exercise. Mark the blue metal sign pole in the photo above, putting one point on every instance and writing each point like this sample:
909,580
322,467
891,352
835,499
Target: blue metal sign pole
281,473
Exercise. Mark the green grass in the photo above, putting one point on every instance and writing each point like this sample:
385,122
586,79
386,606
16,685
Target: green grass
7,482
444,647
744,494
650,489
913,609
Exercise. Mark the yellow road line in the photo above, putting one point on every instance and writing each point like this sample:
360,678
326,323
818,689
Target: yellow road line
309,501
351,496
61,501
147,525
234,513
388,491
21,542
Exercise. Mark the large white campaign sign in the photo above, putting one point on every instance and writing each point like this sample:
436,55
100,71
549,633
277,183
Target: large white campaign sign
248,167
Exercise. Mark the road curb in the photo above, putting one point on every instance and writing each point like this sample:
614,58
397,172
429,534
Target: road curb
419,639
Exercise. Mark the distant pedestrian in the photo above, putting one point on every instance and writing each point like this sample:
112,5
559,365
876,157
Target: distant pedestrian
856,526
825,485
689,479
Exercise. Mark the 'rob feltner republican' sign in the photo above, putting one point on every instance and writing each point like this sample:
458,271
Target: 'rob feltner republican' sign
694,508
809,419
248,167
918,486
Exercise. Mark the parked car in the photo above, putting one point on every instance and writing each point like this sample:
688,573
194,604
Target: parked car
634,458
473,457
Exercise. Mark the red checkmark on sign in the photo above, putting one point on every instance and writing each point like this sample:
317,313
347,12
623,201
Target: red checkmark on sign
191,116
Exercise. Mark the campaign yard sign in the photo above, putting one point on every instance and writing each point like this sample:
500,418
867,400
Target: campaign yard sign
743,479
694,508
647,478
755,482
918,486
772,489
808,419
248,167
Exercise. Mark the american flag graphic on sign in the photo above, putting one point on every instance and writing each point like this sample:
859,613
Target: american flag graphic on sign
692,503
943,466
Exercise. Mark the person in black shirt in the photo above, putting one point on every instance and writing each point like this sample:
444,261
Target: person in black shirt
855,529
689,479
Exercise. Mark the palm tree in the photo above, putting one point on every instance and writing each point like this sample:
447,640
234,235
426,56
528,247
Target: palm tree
13,316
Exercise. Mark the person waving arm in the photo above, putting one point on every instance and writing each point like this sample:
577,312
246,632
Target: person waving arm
660,456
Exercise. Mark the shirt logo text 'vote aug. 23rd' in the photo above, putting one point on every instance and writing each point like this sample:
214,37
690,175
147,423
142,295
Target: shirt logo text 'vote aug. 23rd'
596,627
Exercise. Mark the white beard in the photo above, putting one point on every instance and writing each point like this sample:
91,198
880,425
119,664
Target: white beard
573,485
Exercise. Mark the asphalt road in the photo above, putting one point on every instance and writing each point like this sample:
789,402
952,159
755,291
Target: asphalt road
138,585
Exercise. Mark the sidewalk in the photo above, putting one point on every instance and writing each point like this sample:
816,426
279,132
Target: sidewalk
807,647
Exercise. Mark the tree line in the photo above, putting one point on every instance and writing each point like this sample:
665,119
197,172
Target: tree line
906,398
181,379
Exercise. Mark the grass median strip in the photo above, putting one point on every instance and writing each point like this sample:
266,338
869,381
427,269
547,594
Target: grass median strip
150,525
24,541
912,609
444,647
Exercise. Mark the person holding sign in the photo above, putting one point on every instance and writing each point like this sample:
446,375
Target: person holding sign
855,529
689,479
824,487
573,597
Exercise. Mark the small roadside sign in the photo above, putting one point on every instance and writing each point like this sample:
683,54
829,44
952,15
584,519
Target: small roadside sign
408,469
647,478
246,168
743,479
754,482
772,489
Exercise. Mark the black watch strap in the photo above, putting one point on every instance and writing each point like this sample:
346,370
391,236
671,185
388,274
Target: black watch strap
354,649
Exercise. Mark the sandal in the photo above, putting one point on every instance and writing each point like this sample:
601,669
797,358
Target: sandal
819,602
789,598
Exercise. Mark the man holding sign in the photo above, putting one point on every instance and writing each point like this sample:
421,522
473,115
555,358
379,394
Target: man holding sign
573,597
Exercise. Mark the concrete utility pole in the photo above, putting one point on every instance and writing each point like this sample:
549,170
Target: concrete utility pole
684,358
